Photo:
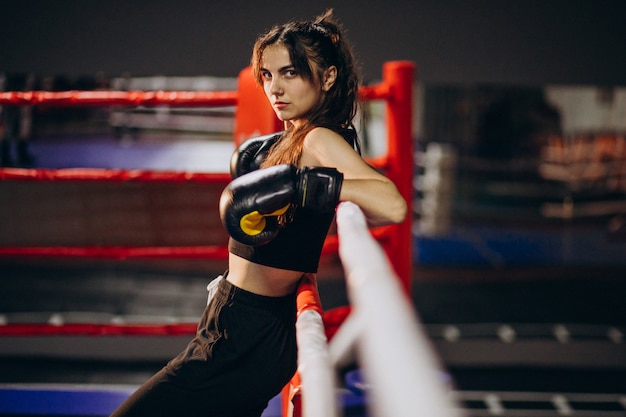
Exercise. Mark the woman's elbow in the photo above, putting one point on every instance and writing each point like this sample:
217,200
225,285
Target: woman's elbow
398,210
397,207
394,212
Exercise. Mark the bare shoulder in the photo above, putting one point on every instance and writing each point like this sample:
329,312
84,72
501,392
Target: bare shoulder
322,135
325,147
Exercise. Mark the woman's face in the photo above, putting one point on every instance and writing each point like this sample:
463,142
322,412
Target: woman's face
291,96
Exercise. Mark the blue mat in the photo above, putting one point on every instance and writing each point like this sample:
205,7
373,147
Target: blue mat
62,400
100,400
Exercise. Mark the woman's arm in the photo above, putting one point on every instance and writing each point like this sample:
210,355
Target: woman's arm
374,193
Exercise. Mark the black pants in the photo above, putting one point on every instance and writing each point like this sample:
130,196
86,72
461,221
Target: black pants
243,353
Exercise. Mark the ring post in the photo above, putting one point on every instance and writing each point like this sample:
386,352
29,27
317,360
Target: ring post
254,115
398,75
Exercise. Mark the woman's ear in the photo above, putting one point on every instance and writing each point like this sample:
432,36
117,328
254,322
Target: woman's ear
330,76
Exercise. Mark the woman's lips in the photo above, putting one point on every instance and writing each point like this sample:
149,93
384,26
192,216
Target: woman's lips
280,105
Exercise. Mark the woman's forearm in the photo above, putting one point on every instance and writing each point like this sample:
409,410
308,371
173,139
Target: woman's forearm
380,200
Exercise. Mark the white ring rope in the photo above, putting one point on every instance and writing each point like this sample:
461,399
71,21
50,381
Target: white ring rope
394,352
319,386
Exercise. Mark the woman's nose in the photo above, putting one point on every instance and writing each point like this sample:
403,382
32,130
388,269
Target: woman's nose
276,88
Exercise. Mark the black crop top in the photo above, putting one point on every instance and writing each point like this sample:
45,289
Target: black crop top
298,245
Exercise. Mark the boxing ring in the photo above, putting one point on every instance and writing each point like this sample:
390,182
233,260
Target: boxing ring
253,116
385,278
371,281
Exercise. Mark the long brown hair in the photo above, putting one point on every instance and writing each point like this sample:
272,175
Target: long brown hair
314,46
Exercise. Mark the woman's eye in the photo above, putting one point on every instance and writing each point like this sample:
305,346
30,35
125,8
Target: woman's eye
291,73
266,75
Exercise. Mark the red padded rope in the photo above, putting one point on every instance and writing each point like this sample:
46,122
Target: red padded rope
160,252
110,175
145,98
118,252
120,98
308,297
88,329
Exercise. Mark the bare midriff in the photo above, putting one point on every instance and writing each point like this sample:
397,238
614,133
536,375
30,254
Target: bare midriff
261,279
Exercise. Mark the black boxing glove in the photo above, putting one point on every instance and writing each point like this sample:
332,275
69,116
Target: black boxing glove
318,188
250,205
251,153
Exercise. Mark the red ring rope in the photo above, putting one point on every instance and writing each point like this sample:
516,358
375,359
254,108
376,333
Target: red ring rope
144,98
110,175
120,98
162,252
118,252
89,329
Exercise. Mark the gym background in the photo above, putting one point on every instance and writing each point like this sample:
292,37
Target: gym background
519,255
453,41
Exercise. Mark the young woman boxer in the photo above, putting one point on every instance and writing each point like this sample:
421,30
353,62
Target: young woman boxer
277,210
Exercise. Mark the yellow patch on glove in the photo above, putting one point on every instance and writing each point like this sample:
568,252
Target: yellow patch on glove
254,223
